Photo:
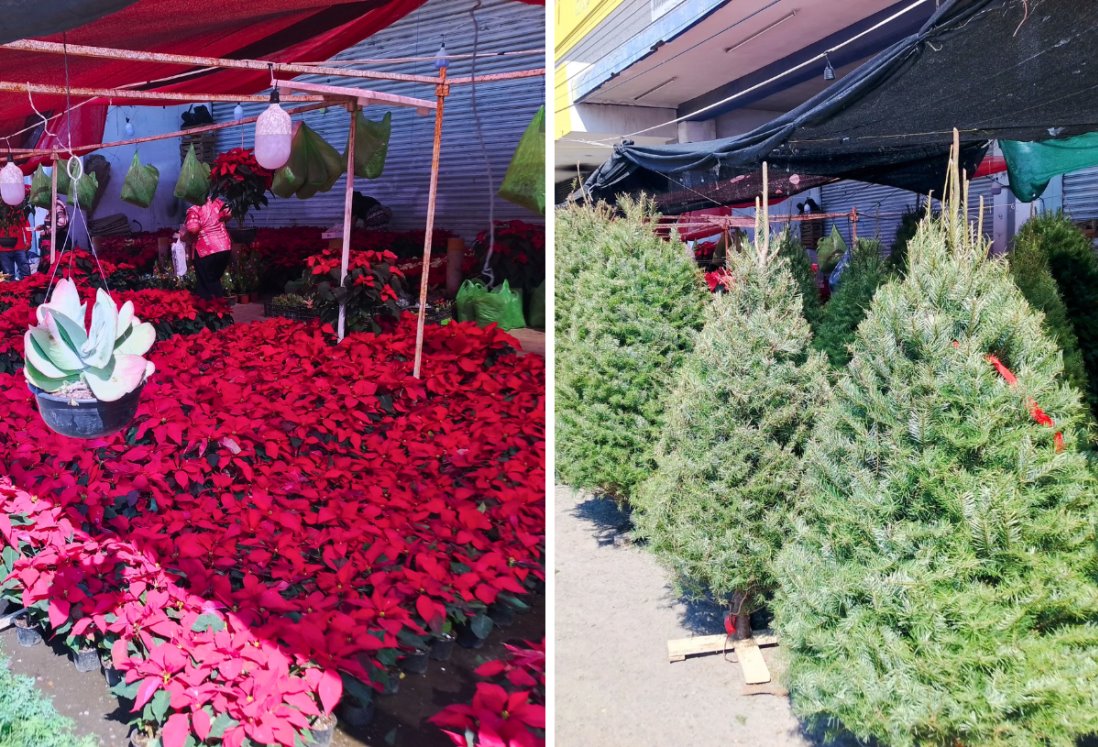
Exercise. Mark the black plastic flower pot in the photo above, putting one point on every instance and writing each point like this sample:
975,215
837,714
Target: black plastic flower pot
355,714
26,633
86,660
322,732
112,675
416,663
502,614
442,648
86,418
466,638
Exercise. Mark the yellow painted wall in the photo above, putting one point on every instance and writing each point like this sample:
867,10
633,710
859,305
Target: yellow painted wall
577,18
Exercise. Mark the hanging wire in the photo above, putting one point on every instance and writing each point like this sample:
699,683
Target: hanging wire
486,271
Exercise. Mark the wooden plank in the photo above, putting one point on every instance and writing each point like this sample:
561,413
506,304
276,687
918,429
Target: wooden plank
752,663
363,96
679,649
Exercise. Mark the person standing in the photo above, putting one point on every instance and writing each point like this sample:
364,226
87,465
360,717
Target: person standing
61,215
13,252
212,245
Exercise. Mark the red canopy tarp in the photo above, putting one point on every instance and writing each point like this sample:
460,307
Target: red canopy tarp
276,30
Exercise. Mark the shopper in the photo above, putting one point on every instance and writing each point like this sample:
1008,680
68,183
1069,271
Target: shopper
61,215
205,225
13,258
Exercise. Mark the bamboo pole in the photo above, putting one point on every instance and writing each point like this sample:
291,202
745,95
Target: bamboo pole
766,214
107,53
27,153
53,213
123,93
441,92
348,196
854,225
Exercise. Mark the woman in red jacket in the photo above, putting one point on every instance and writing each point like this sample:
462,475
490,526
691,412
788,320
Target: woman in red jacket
207,223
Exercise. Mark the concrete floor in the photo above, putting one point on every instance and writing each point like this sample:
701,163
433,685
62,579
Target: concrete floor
614,616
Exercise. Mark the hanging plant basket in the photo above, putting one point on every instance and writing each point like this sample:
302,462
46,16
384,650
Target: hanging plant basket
86,418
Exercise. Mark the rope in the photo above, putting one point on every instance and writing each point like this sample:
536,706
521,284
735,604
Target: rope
486,271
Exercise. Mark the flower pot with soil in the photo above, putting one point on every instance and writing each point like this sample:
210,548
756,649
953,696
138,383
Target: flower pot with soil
143,735
473,633
26,632
85,660
322,731
356,713
442,648
87,382
112,675
416,662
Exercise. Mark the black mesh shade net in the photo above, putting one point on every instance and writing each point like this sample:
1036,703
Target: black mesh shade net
1008,69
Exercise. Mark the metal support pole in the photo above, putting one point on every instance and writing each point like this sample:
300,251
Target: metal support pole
441,91
347,199
52,212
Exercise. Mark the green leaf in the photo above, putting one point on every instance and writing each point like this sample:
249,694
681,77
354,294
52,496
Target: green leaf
481,626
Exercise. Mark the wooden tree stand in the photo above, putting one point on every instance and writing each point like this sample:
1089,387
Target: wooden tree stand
748,652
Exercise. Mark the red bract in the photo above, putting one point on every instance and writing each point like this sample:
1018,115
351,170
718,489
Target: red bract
282,509
511,714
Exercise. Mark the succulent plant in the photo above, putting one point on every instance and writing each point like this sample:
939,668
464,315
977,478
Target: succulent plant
107,357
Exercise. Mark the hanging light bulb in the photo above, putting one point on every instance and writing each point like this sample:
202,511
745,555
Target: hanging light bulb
273,135
238,112
441,60
829,72
128,128
11,184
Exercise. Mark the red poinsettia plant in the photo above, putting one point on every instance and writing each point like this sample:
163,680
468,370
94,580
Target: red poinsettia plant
506,712
274,528
237,179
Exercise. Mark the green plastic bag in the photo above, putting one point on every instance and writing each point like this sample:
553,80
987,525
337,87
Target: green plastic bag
314,166
41,189
371,145
42,186
139,187
466,300
524,182
536,317
501,306
194,179
82,191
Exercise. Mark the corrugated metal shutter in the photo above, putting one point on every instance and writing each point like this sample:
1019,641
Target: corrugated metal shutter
881,208
505,109
1081,194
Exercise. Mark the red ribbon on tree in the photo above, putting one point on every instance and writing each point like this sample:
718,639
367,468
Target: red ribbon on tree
1039,416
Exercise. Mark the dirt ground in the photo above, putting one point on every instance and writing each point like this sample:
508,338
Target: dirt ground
400,720
614,616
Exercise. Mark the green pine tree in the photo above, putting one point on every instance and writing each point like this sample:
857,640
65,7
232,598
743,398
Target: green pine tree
631,317
1073,264
909,222
840,318
729,461
942,586
790,249
1029,266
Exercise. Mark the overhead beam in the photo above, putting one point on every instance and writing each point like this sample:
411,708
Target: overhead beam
187,60
363,96
158,96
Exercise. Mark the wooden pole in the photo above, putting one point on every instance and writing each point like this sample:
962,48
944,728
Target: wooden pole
348,197
52,212
441,92
853,225
157,96
186,60
765,215
27,153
